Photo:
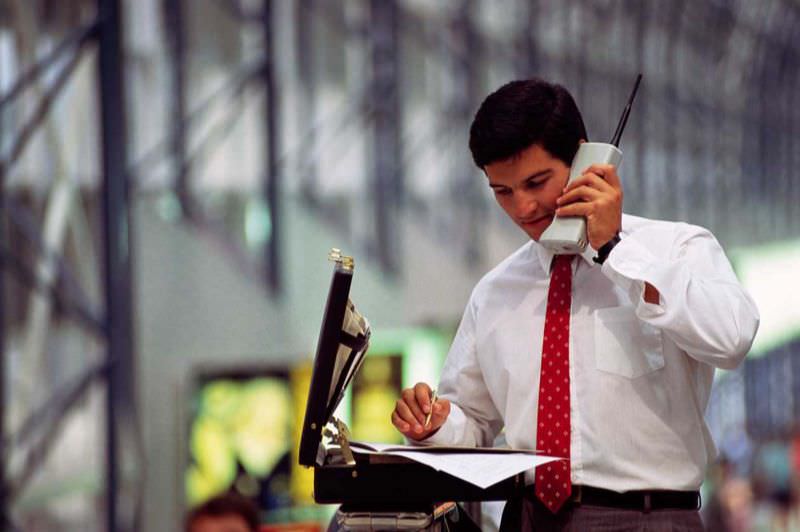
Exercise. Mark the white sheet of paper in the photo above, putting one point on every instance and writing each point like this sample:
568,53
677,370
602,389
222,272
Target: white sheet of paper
480,469
392,448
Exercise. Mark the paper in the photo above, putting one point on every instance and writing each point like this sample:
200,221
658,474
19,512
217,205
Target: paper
392,448
482,467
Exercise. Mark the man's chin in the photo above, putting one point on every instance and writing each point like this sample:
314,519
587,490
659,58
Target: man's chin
535,231
534,235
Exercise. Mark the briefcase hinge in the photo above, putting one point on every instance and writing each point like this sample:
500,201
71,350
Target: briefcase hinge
340,437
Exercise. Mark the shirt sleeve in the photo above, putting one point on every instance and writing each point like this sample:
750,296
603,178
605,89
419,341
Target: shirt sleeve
474,420
702,307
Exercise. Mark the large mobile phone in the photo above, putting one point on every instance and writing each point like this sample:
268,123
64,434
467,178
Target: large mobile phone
567,234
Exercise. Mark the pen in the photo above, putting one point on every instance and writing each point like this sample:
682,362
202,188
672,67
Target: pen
428,417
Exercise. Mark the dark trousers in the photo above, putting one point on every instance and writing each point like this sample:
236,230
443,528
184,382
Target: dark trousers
528,514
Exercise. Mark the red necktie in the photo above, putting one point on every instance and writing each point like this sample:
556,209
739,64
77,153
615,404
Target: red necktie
553,484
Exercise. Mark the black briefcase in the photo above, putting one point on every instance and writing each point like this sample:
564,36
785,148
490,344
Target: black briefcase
342,474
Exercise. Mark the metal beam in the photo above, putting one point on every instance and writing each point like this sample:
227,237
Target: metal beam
3,451
75,40
527,50
116,216
272,182
672,142
22,219
176,45
39,115
304,30
463,97
67,304
387,187
51,416
229,94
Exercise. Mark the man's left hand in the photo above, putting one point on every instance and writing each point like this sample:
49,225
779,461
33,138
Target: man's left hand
597,196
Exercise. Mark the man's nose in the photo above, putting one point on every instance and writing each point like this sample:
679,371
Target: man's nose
525,205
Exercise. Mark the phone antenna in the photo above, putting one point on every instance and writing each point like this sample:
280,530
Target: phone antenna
624,118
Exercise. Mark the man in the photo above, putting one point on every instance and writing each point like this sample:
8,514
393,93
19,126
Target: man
228,512
609,365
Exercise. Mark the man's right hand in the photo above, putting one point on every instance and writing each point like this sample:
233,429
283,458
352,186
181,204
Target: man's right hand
412,408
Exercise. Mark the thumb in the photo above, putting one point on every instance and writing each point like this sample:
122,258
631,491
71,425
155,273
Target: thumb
441,410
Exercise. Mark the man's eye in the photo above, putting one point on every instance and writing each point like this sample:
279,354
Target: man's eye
501,191
533,184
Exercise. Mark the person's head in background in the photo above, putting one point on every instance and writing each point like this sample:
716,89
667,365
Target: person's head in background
524,137
228,512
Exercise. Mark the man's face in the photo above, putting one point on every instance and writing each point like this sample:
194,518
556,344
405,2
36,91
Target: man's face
527,185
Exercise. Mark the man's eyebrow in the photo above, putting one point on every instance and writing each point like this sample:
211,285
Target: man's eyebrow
540,173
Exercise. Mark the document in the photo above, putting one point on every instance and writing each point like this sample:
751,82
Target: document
482,467
392,448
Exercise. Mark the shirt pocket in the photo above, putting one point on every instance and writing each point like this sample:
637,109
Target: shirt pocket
624,345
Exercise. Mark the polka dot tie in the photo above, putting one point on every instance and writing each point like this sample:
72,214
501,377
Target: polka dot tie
553,484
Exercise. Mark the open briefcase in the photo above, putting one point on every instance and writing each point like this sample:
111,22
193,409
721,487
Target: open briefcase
341,473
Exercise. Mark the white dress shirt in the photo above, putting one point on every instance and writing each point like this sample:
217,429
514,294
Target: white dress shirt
640,373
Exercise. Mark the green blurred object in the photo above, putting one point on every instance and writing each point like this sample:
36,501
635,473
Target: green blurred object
238,421
257,223
214,462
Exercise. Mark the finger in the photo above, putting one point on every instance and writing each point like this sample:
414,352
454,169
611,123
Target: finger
400,423
410,411
423,395
590,179
405,413
441,410
585,193
608,172
579,208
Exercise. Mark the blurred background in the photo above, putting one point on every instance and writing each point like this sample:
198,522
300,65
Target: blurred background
173,174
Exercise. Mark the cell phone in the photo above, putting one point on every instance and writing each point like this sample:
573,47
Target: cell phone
567,234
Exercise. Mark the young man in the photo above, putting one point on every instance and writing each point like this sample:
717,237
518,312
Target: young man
608,365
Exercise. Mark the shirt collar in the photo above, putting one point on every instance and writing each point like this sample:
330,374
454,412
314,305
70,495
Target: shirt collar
546,257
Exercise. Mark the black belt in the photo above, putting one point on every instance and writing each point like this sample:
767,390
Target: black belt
643,501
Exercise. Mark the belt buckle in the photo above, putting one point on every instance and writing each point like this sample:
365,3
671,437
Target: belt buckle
577,494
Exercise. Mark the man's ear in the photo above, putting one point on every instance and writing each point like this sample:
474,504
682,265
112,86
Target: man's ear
581,141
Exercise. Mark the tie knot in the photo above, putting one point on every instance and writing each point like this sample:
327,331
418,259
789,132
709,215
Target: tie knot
562,262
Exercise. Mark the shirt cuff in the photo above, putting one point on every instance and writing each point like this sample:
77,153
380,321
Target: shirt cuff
588,254
629,266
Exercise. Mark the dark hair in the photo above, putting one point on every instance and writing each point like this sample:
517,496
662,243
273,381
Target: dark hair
226,504
522,113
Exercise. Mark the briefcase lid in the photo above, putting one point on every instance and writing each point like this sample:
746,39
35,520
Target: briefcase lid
341,347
